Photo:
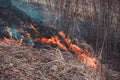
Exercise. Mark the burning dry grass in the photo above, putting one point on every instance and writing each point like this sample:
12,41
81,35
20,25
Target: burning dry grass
27,63
54,40
90,61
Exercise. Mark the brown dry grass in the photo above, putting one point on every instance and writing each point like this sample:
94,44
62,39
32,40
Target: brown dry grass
27,63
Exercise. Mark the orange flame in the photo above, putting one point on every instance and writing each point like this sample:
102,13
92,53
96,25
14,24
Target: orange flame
86,58
53,40
88,53
32,27
6,40
90,61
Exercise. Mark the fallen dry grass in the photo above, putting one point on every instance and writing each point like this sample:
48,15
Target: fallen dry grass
27,63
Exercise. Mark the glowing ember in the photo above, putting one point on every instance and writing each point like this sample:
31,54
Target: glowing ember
90,61
53,40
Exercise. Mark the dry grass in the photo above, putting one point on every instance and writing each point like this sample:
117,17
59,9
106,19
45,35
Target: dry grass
27,63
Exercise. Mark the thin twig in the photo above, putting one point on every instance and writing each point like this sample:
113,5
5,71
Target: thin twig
101,51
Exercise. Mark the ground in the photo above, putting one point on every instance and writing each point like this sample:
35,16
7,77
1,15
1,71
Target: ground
44,63
27,63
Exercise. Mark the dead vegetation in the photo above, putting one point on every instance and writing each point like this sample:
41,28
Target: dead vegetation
48,63
27,63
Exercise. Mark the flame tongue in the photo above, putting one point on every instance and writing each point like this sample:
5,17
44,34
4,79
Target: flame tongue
78,51
32,27
53,40
6,40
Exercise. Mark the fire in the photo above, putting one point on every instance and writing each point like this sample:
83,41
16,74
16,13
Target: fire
90,61
84,54
11,39
53,40
6,40
88,52
32,27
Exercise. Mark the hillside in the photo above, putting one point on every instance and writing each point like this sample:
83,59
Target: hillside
26,63
59,40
